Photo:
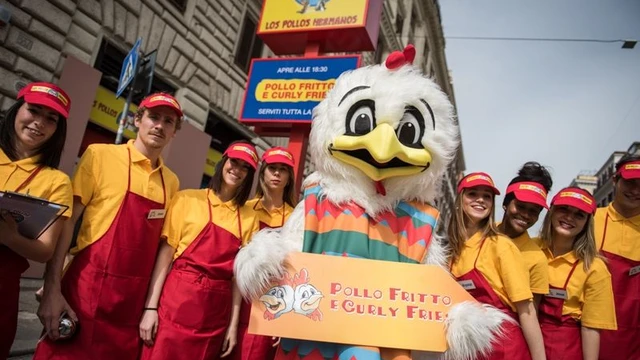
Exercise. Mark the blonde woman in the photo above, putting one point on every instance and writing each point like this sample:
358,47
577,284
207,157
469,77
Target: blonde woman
274,202
490,267
580,300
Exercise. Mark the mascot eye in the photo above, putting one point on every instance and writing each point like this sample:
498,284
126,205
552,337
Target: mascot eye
360,118
305,294
411,128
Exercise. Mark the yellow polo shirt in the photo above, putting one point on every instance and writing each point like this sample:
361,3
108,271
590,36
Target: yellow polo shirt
536,263
274,218
188,215
501,264
50,184
100,182
623,235
589,293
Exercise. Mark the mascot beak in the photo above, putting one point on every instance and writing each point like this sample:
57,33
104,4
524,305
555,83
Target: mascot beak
379,154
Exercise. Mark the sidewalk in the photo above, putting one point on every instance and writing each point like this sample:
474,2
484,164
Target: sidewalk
29,327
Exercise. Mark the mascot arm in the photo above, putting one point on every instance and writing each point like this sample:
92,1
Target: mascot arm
262,260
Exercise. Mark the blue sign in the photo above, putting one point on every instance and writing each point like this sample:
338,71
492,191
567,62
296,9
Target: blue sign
129,68
287,90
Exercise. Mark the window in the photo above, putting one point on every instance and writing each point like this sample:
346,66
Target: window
222,135
250,44
181,5
377,55
399,23
109,61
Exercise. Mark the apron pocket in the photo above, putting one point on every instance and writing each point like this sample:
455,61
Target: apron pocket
194,305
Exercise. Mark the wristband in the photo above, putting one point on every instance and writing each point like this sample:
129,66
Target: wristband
149,308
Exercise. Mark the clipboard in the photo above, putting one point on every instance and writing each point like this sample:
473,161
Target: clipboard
34,215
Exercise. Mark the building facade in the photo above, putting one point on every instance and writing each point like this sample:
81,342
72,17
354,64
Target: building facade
604,190
203,50
586,180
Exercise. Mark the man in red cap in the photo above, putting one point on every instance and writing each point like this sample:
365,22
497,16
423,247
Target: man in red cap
617,232
122,191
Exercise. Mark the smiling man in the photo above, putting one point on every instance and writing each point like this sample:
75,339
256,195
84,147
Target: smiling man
617,232
123,191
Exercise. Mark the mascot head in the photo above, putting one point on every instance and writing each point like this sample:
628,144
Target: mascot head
384,133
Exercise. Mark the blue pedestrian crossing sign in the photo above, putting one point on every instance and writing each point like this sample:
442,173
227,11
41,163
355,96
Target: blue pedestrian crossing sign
129,68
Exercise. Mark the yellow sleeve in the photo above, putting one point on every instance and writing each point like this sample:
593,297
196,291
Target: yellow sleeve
514,274
84,181
539,275
62,193
173,221
598,309
249,215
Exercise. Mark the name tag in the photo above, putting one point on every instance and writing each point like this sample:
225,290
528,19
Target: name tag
557,293
157,214
634,270
467,284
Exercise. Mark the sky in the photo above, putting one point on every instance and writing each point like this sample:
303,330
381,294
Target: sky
567,105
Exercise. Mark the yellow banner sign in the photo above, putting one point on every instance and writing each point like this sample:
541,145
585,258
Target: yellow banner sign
106,111
300,15
293,90
213,157
347,300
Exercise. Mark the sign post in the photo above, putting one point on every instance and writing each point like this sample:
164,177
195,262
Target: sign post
128,76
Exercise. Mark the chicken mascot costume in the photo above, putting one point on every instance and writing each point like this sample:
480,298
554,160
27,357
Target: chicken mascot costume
381,141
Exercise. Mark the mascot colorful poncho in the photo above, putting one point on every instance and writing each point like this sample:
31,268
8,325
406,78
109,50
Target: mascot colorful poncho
381,142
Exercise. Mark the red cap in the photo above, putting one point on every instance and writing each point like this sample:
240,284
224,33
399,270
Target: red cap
47,94
278,155
477,179
630,170
162,99
530,192
243,151
576,197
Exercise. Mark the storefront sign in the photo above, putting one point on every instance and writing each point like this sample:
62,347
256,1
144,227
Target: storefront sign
286,26
287,90
213,157
106,112
347,300
287,15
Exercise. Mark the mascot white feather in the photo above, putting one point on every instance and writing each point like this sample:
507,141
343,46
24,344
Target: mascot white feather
381,141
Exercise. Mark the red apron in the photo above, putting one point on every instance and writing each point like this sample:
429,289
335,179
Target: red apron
253,347
561,333
12,266
195,304
512,345
106,285
623,343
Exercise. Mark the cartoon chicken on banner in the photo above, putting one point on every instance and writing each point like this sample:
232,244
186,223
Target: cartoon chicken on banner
381,141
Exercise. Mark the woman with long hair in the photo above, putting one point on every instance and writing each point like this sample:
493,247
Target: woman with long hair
580,300
32,136
193,305
274,202
523,202
490,267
